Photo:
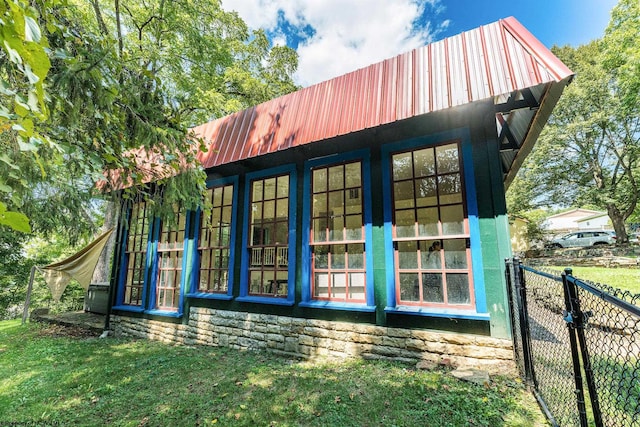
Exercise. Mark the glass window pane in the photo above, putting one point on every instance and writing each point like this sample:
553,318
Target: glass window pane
432,287
269,212
268,234
217,196
321,285
356,285
216,216
319,180
256,212
431,256
321,257
407,255
403,194
336,228
405,223
336,177
458,288
281,284
255,282
319,204
225,235
353,201
336,202
424,162
455,254
337,256
356,256
269,188
428,222
282,208
402,166
447,158
319,230
227,198
257,190
338,285
354,227
283,186
426,192
452,219
450,189
226,215
409,287
352,174
282,233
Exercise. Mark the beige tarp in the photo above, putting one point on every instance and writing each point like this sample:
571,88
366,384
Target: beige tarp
78,266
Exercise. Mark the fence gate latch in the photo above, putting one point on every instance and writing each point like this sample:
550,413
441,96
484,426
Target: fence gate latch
567,316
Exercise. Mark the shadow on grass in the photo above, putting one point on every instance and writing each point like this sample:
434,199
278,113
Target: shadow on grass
88,381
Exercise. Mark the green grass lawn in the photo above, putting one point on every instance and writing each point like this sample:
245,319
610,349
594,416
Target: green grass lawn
49,378
623,278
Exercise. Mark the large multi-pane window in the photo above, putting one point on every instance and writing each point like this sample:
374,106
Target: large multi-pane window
268,243
430,228
136,254
170,254
214,242
337,240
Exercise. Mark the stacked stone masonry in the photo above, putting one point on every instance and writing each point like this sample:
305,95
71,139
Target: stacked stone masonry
311,338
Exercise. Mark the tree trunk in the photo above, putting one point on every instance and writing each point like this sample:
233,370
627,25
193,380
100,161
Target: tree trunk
617,219
103,268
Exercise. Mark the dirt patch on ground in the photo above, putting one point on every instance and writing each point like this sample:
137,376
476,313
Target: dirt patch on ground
61,331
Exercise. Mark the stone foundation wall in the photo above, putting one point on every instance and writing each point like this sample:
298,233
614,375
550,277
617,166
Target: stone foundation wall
310,338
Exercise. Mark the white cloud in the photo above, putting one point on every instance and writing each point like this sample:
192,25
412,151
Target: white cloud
348,34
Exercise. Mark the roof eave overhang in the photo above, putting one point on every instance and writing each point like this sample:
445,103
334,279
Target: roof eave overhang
547,103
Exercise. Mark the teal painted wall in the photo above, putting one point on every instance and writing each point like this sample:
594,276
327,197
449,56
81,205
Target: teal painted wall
494,224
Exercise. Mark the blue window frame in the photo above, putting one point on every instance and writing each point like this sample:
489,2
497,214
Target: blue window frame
135,261
269,237
337,269
154,266
170,268
215,241
432,248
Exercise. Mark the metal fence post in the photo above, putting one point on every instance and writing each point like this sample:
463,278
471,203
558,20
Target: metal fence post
569,316
517,291
521,288
579,322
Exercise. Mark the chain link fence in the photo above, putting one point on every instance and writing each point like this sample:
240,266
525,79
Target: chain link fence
577,344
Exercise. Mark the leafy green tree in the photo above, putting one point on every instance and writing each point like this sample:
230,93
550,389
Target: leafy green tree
124,75
24,65
622,53
86,86
589,152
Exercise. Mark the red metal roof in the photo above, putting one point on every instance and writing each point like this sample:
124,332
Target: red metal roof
489,61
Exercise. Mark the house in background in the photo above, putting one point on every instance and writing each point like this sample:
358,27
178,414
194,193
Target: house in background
362,216
576,219
599,221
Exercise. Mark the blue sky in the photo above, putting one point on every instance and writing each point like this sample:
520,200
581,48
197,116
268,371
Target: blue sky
333,37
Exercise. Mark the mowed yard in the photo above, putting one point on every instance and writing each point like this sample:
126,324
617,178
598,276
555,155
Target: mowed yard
56,376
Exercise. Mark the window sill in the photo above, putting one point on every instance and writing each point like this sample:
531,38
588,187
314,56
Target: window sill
449,313
130,308
164,313
329,305
266,300
207,295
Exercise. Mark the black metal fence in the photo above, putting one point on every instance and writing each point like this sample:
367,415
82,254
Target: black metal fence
577,344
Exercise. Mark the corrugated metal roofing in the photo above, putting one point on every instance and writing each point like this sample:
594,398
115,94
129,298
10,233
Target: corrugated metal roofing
495,60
